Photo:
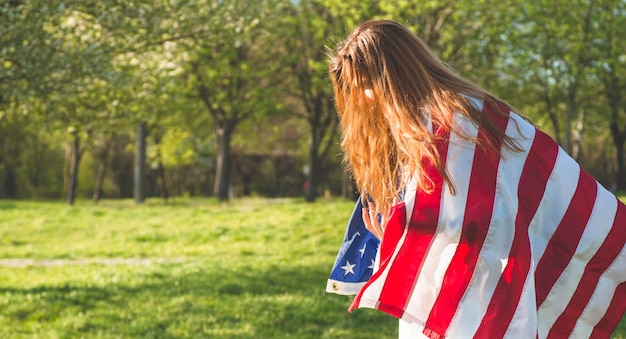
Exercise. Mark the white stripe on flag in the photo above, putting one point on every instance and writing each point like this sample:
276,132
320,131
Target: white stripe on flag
602,296
371,294
556,199
459,164
409,197
500,235
596,230
523,325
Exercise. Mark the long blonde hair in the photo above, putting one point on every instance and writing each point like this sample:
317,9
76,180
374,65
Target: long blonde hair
385,130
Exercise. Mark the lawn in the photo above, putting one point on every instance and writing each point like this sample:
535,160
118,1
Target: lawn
191,268
251,268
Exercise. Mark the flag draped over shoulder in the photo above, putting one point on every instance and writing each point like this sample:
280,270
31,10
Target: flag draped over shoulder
530,246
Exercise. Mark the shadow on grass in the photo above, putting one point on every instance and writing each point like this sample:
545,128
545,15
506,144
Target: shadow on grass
196,300
193,300
7,205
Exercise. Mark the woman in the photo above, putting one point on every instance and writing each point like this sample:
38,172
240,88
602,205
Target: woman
497,232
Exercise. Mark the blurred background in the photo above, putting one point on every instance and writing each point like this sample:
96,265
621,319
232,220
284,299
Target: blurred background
230,98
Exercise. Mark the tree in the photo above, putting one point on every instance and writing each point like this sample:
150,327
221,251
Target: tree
57,61
611,69
229,71
30,51
312,25
29,54
558,65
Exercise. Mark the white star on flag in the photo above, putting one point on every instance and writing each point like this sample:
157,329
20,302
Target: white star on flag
348,268
372,265
362,250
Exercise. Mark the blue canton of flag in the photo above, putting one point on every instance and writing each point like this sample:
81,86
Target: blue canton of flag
356,259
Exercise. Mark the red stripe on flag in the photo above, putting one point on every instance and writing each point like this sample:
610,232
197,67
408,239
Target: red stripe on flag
613,315
396,224
423,225
537,169
563,243
602,259
476,220
393,233
425,207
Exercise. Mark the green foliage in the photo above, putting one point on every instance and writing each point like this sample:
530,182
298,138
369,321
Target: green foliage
30,50
193,68
176,148
227,68
25,151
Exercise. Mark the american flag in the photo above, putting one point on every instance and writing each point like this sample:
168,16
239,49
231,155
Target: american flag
356,258
530,246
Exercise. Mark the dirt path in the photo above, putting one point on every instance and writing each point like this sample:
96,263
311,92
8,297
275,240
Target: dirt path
101,261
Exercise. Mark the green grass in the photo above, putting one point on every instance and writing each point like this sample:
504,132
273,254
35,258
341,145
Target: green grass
252,268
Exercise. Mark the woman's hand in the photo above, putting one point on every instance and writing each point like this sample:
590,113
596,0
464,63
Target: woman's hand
370,218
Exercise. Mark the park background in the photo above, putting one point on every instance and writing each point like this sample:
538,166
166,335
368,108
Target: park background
196,144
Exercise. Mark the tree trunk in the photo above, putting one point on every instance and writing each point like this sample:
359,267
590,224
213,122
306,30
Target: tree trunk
578,135
10,182
140,162
160,171
311,188
613,94
102,166
75,156
620,179
323,123
222,176
311,192
620,174
618,141
67,171
348,191
571,109
554,119
7,168
161,180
